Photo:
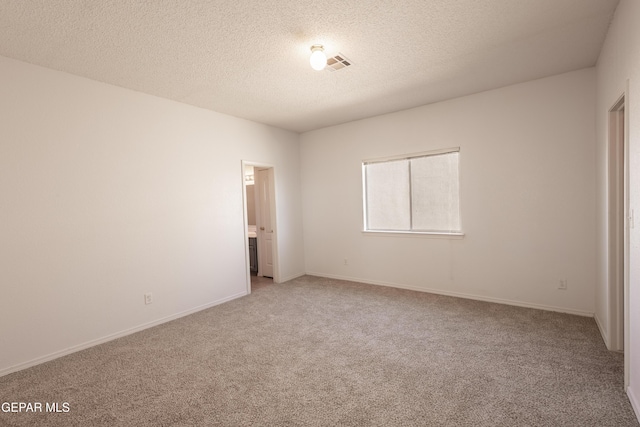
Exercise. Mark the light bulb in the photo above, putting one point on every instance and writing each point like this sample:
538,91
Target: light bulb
318,59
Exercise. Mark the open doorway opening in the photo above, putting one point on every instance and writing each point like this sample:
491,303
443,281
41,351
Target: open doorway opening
260,224
619,222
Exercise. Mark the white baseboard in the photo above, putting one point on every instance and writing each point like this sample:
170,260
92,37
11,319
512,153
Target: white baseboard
130,331
635,403
111,337
295,276
459,295
603,331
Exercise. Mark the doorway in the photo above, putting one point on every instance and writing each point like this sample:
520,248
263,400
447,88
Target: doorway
620,220
260,223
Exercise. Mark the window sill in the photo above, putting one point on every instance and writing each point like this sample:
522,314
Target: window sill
433,235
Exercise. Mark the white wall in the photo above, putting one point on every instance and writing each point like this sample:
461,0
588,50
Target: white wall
527,156
108,194
618,64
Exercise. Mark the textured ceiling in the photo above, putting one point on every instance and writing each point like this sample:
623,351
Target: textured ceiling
251,58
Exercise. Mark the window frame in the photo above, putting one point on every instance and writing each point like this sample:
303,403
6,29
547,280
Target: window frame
405,233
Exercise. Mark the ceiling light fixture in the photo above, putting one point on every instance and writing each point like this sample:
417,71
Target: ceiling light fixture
318,59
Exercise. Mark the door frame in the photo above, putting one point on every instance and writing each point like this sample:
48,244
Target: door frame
274,211
620,221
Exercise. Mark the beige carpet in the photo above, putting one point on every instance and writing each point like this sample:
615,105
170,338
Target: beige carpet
320,352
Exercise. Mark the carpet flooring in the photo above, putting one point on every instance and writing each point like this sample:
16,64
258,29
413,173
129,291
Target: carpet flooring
323,352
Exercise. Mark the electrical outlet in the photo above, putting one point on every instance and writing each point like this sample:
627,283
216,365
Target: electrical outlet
562,285
148,298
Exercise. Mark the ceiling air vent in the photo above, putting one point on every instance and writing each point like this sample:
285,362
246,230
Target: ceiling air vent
337,62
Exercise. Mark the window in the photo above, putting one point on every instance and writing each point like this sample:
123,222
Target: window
417,193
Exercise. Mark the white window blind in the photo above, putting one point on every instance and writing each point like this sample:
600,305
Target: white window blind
388,196
418,193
